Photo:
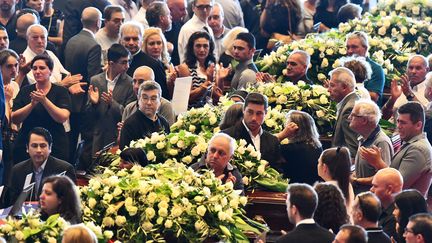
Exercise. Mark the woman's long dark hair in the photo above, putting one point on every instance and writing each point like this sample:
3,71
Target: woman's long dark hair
191,59
338,161
69,208
409,202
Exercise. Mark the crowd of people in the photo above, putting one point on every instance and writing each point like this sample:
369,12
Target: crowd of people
78,79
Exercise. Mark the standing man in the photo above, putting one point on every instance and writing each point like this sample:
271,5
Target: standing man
109,93
412,86
301,203
110,34
386,184
243,52
366,210
158,15
254,111
145,120
215,21
364,119
233,13
142,13
198,22
341,89
178,12
219,153
8,16
131,36
357,44
414,159
82,56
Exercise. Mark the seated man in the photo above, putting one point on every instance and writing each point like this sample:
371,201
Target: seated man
145,120
41,165
141,75
243,51
219,153
419,228
301,202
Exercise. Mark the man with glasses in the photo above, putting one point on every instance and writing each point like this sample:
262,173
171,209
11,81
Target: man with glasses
364,120
366,210
341,89
198,22
141,75
419,229
145,120
215,21
109,93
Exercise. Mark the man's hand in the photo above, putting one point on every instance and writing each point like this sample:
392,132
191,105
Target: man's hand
24,67
93,94
70,80
107,97
77,88
265,77
406,85
289,130
395,89
231,178
372,155
120,126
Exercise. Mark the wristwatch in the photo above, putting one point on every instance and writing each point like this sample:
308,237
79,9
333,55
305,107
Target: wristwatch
410,97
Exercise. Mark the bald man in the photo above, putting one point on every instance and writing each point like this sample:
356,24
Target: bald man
82,56
142,74
386,184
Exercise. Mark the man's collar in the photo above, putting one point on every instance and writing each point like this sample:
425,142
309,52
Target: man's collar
41,168
416,137
197,20
114,80
249,131
305,221
89,31
339,104
136,53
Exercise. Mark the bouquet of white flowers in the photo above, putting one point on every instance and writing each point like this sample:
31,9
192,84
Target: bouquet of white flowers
164,202
409,8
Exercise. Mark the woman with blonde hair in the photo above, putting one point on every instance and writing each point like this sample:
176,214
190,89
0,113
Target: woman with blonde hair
78,233
155,45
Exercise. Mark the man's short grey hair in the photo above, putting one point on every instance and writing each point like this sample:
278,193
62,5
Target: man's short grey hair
31,27
221,11
343,75
149,85
305,56
369,109
424,59
362,36
132,26
231,141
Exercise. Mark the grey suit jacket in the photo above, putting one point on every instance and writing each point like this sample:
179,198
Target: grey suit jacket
82,56
414,162
105,117
343,135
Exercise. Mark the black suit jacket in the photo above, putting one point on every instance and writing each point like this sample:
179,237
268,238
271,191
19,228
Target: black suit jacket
142,59
307,233
82,56
53,166
269,145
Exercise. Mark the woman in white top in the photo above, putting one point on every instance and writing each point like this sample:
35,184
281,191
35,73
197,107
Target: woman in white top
334,166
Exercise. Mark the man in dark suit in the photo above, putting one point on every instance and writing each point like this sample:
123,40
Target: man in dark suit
41,165
109,93
82,56
131,37
249,129
301,202
342,90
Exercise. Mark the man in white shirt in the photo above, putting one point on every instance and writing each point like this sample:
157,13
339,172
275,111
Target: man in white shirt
110,34
410,87
215,21
198,22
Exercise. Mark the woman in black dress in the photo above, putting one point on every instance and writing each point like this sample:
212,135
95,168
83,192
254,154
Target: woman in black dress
42,104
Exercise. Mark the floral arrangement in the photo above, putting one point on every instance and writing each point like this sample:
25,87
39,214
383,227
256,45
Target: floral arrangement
313,99
182,146
256,171
409,8
203,121
275,119
166,201
30,228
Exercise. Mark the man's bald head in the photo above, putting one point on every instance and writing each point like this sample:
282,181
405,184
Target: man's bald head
386,184
142,74
91,17
391,176
23,22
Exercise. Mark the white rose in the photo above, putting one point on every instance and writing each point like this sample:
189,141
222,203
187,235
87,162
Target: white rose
206,191
243,200
147,226
201,210
173,152
245,180
212,120
195,151
108,234
168,224
192,128
310,51
129,202
222,216
92,202
120,220
413,31
329,51
52,240
132,210
163,212
187,159
108,222
154,138
151,156
321,77
320,113
249,164
150,213
382,31
160,145
117,192
107,198
282,99
404,30
176,211
415,10
323,99
174,140
261,169
324,63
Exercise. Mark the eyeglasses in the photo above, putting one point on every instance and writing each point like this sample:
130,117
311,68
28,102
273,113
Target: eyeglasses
124,62
407,230
202,7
